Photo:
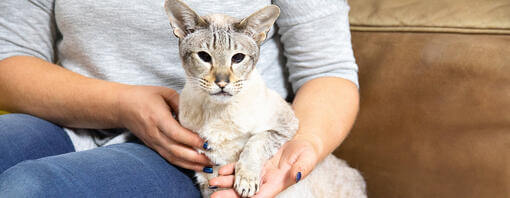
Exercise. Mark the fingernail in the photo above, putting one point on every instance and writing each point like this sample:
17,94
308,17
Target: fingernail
206,146
213,187
208,169
298,177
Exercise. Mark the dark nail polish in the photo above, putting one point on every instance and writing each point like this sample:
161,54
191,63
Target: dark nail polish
298,177
213,187
208,169
206,146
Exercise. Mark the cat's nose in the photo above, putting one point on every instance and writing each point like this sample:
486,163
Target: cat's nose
222,80
221,84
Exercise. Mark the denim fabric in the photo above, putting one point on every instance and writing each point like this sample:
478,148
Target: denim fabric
121,170
25,137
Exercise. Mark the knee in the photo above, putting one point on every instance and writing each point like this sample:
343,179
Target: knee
16,120
27,130
31,178
16,117
16,123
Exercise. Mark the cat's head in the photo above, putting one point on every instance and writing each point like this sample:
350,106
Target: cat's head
218,51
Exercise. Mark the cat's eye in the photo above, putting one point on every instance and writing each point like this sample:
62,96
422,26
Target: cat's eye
237,58
204,56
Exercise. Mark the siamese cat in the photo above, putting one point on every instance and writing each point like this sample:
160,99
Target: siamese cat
227,103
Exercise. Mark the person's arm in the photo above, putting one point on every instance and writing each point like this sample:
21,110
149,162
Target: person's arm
322,69
34,86
326,108
30,83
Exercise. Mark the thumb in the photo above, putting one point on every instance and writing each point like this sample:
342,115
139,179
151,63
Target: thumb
171,98
303,165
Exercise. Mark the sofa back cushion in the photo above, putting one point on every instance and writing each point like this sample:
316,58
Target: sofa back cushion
467,16
435,98
435,115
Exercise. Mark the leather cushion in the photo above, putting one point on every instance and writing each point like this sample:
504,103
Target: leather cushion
466,16
435,115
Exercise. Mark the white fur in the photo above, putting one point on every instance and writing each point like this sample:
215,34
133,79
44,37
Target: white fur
228,126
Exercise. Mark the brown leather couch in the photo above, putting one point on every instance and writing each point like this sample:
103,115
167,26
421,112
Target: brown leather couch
435,98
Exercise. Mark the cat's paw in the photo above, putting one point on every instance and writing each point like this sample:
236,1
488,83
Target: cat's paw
246,182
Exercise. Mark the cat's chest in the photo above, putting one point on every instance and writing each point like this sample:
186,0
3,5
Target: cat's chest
226,128
225,135
213,123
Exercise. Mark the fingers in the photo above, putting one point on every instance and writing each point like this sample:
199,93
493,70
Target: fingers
295,163
171,137
179,154
302,165
273,182
227,169
230,193
268,191
187,165
178,161
187,154
226,178
173,130
222,181
150,119
300,169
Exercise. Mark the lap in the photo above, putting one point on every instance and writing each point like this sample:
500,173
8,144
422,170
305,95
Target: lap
25,137
121,170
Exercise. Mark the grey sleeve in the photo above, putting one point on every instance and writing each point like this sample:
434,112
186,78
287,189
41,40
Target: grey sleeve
316,40
27,27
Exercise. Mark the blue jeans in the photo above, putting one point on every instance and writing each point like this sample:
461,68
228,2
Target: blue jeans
37,159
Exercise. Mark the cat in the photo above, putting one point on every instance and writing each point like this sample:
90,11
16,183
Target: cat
226,102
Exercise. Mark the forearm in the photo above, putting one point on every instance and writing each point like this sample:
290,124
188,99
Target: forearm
326,108
34,86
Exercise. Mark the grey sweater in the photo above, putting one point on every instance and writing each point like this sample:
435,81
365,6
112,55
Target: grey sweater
131,42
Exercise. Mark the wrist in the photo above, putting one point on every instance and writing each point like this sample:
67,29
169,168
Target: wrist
119,111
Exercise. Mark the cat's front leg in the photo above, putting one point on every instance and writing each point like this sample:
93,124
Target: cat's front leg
259,148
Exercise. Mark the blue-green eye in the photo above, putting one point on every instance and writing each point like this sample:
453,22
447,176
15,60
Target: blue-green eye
237,58
204,56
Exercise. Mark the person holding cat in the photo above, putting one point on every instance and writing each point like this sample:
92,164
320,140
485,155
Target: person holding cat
80,74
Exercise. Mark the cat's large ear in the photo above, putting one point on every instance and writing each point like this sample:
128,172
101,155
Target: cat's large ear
258,24
182,18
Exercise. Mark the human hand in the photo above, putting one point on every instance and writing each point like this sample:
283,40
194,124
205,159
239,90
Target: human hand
292,163
147,112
